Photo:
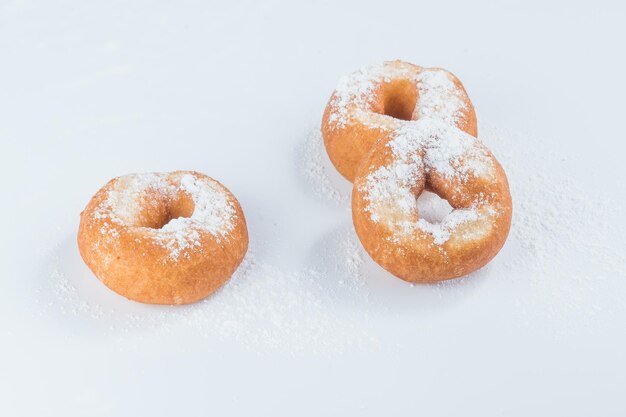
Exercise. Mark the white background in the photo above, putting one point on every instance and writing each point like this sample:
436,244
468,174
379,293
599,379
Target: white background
310,325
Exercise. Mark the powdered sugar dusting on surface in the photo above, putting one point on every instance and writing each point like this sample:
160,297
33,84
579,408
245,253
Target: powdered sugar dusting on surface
555,222
318,172
262,308
213,209
339,301
421,147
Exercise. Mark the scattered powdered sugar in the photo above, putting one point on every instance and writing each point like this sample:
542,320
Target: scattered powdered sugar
343,259
213,210
318,172
563,238
421,147
262,308
340,301
438,98
352,253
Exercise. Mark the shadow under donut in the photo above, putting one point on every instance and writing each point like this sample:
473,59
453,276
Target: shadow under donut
71,295
316,171
356,280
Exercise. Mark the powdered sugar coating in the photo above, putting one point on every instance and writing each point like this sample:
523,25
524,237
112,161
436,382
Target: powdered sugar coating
420,148
445,149
213,211
357,89
441,231
439,96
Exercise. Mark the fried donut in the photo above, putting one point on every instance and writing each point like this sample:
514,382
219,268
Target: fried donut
163,238
373,102
429,153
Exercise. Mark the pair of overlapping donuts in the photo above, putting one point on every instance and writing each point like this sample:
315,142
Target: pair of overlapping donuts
393,129
397,129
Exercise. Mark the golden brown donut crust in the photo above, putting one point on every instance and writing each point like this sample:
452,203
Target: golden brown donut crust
354,121
142,262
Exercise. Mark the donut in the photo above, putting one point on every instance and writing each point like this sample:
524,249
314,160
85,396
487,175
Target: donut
373,102
430,154
163,238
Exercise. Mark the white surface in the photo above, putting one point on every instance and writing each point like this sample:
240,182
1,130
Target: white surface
311,326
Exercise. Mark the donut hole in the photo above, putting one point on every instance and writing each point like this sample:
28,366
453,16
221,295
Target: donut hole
182,206
158,213
399,99
432,207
